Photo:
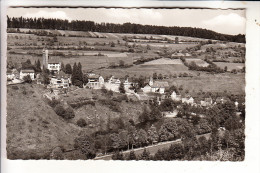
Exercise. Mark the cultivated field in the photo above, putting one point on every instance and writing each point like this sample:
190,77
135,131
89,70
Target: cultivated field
230,66
198,62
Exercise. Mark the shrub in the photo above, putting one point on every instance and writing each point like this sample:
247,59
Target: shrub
27,79
15,87
67,113
80,104
53,102
81,122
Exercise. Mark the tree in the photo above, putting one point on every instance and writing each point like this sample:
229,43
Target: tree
176,40
145,155
85,79
86,144
153,135
175,152
144,117
27,79
81,122
154,75
142,137
132,156
62,68
112,44
225,69
68,69
46,79
167,105
121,63
118,156
38,66
122,87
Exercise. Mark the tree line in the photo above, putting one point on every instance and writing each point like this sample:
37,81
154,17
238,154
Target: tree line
82,25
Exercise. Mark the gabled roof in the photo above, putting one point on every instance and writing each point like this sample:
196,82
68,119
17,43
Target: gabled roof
27,71
95,76
160,84
9,71
60,75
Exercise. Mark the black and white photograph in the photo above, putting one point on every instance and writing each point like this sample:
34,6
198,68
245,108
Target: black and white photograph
125,84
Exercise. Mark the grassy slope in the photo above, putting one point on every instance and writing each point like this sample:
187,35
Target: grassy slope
33,128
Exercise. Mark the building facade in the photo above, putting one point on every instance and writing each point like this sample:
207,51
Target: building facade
27,72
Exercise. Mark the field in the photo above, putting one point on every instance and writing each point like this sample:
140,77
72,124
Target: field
198,62
230,66
163,61
234,84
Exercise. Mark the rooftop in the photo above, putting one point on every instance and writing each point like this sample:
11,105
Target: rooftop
160,84
27,71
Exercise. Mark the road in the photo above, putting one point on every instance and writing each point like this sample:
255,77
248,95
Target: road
152,148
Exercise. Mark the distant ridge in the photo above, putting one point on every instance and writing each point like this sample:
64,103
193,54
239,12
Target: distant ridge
80,25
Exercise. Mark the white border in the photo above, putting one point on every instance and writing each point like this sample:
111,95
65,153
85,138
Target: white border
251,163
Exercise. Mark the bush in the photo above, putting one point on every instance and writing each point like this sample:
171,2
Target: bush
15,87
81,122
53,102
80,104
64,113
111,104
27,79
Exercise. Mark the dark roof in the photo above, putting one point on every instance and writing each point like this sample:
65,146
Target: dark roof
27,71
61,74
95,76
160,84
9,71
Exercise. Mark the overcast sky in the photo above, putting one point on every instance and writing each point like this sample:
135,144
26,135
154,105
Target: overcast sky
222,21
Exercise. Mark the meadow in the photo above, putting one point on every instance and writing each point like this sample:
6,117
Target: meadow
230,66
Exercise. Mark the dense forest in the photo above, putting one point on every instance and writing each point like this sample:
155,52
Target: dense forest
79,25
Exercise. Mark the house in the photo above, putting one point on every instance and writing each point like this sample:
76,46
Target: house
220,100
206,102
26,72
10,75
60,80
54,66
114,83
188,100
155,87
95,81
175,97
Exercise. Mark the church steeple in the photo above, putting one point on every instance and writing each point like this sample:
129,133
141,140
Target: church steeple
151,81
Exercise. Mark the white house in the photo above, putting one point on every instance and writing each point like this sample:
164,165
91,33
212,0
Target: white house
27,72
10,75
188,100
60,80
114,83
54,66
95,81
175,97
155,87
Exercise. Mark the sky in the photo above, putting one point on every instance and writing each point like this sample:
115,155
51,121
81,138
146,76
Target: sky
231,22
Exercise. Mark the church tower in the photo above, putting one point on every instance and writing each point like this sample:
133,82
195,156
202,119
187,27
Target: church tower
151,81
45,58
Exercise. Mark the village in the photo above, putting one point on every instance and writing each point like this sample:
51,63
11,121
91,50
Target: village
154,90
109,91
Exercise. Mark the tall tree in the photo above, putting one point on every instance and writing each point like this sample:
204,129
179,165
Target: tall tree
68,69
122,87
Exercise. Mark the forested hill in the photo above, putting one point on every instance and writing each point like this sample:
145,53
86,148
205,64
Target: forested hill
77,25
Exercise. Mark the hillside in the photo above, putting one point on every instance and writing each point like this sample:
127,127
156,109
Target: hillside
33,128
